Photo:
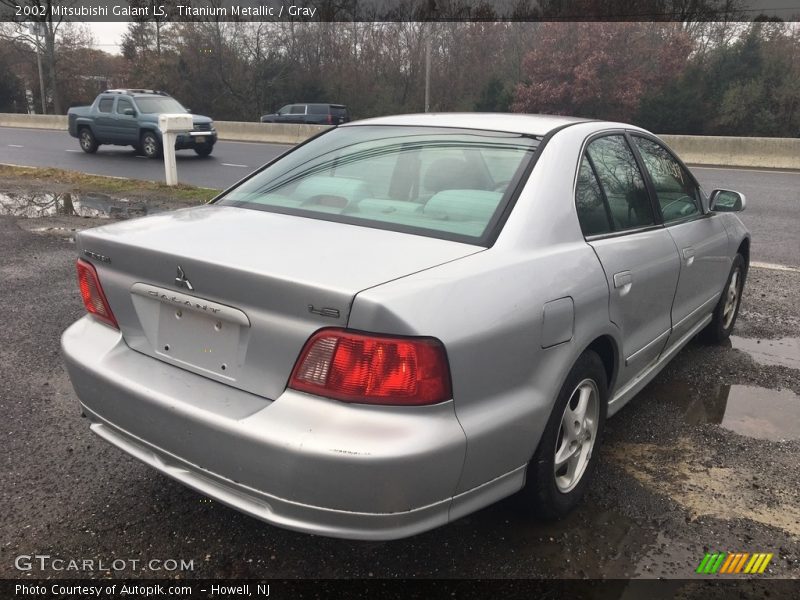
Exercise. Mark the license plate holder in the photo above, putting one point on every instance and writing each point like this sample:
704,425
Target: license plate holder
192,332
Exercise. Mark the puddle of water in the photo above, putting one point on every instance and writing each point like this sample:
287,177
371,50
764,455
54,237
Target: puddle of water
744,409
752,411
48,204
784,352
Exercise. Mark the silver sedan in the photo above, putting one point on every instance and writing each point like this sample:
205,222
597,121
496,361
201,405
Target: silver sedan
404,319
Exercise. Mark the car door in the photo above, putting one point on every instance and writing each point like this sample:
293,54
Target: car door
104,119
283,114
700,237
637,253
297,113
126,128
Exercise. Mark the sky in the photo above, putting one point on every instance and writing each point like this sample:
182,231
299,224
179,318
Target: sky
108,36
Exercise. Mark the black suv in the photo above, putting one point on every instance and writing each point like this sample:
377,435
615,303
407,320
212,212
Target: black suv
311,114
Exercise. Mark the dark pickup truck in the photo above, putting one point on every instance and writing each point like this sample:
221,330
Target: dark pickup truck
130,118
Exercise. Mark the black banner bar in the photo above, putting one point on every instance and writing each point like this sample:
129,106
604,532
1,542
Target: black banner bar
285,589
397,10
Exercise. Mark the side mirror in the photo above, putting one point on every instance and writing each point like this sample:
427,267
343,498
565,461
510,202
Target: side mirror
726,201
129,112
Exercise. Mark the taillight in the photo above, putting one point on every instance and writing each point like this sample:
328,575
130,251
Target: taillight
92,293
330,119
373,369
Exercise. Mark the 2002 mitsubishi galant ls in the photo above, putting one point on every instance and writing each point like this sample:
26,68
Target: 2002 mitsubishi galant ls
404,319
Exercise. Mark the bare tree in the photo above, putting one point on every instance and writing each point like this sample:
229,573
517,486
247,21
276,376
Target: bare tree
48,28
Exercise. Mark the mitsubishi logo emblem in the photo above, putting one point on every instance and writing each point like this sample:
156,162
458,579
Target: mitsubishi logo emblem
182,281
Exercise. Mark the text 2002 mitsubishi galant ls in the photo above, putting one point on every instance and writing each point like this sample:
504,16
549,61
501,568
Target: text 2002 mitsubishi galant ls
404,319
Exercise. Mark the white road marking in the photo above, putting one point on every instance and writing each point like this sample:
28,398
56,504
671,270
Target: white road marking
15,146
234,165
774,267
73,150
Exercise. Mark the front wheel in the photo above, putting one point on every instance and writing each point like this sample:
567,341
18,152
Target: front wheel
561,469
724,318
204,150
150,145
87,140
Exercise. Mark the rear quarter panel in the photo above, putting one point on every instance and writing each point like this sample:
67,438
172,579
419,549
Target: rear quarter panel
487,309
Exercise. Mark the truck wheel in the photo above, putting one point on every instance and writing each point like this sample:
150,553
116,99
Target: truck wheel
204,150
151,147
87,140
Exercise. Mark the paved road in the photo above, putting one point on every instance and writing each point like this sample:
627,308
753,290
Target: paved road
46,148
773,209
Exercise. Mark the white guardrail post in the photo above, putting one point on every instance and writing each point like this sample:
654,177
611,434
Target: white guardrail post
170,125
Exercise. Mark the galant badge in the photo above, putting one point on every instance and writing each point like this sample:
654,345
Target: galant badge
182,281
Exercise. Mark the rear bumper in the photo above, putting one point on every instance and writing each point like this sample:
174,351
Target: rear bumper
301,462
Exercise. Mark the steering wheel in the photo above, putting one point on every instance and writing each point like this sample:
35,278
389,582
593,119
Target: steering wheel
686,210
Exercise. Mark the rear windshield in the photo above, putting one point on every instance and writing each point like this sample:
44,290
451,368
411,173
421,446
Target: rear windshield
153,105
439,182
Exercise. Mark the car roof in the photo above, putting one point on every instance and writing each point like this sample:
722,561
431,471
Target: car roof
538,125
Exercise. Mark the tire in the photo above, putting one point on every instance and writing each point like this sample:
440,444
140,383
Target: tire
87,140
204,150
551,491
151,146
727,309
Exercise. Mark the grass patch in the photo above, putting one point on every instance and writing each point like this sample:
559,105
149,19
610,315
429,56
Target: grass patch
81,182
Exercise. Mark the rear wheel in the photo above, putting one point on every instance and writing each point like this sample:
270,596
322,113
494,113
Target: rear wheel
561,469
727,309
87,140
150,145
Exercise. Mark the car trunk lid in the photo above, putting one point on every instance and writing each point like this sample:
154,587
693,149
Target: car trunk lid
233,294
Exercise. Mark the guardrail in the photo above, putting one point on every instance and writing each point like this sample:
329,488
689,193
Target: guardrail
772,153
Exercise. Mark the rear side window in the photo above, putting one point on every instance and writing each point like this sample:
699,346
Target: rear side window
318,109
593,213
105,105
440,182
621,182
677,194
338,111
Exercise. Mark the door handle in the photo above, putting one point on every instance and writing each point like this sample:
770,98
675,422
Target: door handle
623,280
688,255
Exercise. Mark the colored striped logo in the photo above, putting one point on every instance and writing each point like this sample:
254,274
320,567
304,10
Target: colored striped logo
731,563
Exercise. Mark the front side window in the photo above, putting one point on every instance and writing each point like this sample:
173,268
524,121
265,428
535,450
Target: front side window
440,182
677,193
284,110
622,182
122,105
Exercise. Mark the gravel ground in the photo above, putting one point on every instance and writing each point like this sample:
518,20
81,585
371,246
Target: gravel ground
672,484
